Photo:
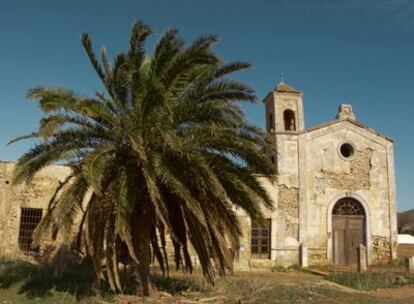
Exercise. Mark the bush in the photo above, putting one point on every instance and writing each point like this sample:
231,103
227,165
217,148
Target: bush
181,284
371,280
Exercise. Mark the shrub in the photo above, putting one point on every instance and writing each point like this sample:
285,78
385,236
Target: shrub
176,285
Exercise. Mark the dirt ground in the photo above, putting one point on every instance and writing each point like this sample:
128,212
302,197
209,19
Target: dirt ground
402,293
241,288
282,287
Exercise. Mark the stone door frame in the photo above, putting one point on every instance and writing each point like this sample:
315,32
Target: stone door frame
364,204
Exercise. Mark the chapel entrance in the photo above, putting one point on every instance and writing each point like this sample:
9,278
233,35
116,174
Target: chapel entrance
348,223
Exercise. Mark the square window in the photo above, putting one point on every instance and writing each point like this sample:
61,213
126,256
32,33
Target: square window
260,240
29,219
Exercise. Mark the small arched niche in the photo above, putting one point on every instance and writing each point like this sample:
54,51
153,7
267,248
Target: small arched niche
289,120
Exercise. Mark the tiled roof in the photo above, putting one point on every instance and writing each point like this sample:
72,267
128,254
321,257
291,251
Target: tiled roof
285,88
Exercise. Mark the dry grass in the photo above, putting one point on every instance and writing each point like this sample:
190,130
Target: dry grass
26,283
371,280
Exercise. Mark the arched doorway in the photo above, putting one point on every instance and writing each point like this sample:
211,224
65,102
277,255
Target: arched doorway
348,222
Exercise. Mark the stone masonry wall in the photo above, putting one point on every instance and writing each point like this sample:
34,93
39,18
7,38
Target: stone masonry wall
288,210
381,250
358,177
317,257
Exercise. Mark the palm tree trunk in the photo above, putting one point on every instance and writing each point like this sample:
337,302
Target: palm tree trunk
141,240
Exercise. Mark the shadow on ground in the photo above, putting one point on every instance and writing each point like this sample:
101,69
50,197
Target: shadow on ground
40,280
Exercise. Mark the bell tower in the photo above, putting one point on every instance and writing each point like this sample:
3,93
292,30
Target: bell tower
284,110
284,122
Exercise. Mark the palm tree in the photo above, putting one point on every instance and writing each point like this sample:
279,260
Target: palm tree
164,151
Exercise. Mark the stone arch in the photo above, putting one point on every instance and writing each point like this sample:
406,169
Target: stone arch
367,223
348,206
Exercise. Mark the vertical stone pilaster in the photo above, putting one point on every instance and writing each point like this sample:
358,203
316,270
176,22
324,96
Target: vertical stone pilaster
392,202
303,256
362,258
302,190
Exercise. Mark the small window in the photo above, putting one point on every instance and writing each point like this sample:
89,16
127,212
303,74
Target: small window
29,219
260,241
272,159
347,150
289,119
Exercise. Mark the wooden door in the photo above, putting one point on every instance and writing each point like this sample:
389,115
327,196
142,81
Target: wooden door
348,234
355,238
339,240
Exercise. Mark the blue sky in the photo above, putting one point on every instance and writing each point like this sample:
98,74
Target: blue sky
359,52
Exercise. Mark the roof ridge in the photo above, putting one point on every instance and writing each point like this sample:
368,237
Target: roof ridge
355,122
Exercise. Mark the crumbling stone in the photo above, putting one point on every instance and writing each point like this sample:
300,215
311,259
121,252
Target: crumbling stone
381,249
288,208
357,179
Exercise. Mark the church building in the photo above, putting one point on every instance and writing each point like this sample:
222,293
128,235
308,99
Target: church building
335,190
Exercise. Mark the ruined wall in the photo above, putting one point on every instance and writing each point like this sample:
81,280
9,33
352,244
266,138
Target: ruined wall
36,194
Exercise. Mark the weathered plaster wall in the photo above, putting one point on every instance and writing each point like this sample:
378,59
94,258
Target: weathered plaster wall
367,175
287,202
34,195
